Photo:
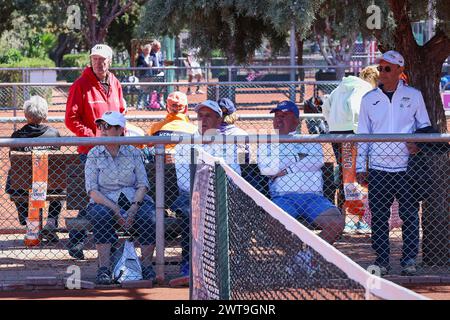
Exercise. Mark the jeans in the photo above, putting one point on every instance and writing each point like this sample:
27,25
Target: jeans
182,207
104,224
383,187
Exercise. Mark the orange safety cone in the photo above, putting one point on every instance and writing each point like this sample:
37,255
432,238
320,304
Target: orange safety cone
37,197
353,191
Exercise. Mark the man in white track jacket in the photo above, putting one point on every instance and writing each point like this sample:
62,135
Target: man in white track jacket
393,107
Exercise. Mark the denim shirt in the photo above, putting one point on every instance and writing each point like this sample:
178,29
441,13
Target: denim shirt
111,176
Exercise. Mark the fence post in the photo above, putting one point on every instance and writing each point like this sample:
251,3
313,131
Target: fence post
222,236
159,203
14,104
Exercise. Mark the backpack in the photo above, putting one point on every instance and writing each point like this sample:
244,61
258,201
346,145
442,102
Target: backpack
128,266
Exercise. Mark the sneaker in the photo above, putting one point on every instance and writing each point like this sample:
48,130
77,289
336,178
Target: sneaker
189,92
350,227
148,273
103,276
184,270
48,234
384,269
409,268
199,92
76,251
362,227
303,263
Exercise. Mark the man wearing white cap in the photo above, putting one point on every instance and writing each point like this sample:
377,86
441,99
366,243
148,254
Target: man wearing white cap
393,107
96,91
92,94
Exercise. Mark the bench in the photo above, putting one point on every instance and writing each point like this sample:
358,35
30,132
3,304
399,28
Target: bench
20,174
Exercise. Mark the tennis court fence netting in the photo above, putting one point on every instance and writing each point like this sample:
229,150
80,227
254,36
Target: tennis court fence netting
243,246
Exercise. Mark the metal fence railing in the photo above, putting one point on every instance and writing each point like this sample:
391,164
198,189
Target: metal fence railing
139,95
73,228
179,73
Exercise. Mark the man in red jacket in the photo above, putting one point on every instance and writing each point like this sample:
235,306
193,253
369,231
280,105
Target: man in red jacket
92,94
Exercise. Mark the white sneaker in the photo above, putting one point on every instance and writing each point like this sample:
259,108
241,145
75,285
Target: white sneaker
362,228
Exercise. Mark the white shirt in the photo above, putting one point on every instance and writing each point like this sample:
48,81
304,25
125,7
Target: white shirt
405,114
302,163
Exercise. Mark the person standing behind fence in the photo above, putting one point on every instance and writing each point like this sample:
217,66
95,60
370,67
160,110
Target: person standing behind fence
393,107
157,58
157,62
96,91
193,71
341,111
144,60
36,110
92,94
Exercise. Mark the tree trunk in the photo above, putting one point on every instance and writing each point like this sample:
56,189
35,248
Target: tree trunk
301,72
435,214
423,66
65,44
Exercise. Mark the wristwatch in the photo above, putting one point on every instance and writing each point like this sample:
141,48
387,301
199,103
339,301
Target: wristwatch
138,203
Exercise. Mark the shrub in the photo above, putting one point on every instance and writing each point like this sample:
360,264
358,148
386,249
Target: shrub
10,98
79,60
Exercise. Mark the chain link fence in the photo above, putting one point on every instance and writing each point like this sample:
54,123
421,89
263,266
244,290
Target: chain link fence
150,96
300,174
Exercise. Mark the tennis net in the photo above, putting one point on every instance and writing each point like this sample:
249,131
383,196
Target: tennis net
243,246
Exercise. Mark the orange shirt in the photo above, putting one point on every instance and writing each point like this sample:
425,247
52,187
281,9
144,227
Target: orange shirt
175,124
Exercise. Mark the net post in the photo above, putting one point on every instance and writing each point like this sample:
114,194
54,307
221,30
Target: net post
192,170
221,207
159,204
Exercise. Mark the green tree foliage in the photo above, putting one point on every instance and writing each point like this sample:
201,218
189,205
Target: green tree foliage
225,25
122,28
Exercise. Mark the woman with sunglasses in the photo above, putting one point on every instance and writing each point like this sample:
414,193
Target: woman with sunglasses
393,107
117,184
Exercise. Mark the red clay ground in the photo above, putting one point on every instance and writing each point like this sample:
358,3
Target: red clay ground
159,293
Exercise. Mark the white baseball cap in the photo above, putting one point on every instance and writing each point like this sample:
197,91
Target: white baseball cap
102,50
113,118
214,106
392,57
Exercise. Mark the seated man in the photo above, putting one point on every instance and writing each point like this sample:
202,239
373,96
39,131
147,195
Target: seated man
296,183
176,122
210,117
117,183
36,111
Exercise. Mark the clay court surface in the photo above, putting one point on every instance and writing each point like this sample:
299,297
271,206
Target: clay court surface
159,293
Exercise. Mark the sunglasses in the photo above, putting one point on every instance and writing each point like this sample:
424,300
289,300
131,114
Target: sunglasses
106,126
384,69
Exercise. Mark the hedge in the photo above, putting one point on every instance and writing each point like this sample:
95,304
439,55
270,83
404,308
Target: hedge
11,99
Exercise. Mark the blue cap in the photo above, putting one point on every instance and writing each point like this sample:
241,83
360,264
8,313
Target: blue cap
286,106
225,103
214,106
